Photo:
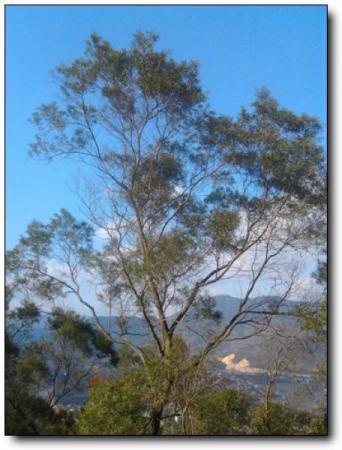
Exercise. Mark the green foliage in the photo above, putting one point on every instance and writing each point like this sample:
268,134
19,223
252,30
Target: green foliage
221,225
63,241
276,148
69,325
19,321
314,319
155,179
39,375
27,413
30,415
205,308
314,316
171,253
179,189
224,412
322,270
30,369
126,404
279,419
122,78
177,166
74,235
116,407
28,311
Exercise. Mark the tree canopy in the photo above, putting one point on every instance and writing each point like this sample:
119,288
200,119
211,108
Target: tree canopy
183,198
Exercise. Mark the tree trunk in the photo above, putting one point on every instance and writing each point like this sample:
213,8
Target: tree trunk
156,421
162,401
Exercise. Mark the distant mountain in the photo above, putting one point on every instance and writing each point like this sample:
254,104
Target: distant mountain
251,351
197,331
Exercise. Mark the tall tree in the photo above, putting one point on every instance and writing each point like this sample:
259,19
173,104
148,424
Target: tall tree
183,198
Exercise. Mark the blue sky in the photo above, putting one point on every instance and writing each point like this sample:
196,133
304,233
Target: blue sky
240,49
